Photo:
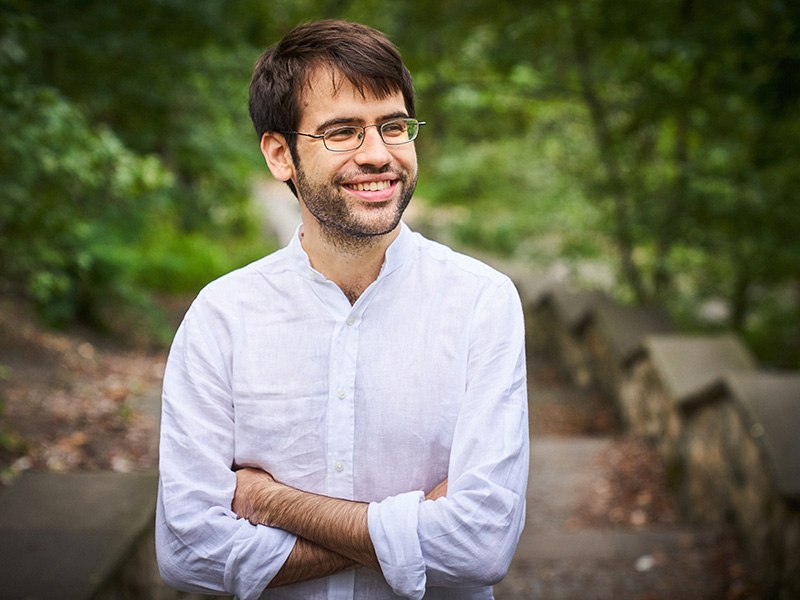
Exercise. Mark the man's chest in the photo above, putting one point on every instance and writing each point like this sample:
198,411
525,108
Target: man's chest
337,405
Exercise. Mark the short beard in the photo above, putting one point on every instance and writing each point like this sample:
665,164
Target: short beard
337,224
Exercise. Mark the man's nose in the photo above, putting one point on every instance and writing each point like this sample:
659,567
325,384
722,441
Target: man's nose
373,150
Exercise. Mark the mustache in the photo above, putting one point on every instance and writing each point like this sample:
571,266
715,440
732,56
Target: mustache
370,170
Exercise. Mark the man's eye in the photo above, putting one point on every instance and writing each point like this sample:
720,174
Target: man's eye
341,134
394,128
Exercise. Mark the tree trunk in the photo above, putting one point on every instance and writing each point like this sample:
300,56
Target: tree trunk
740,299
662,277
622,220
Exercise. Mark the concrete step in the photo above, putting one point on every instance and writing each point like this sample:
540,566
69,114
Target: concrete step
68,536
557,560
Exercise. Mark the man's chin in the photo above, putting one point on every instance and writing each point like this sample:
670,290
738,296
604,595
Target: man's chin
353,231
370,220
363,230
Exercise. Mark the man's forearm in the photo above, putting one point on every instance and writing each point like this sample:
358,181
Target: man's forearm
339,525
262,500
335,524
310,561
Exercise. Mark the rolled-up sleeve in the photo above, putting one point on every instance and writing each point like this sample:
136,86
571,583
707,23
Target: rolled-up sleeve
468,538
201,545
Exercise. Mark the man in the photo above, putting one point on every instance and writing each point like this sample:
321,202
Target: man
312,398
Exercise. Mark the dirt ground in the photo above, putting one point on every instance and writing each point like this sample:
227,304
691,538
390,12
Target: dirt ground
67,398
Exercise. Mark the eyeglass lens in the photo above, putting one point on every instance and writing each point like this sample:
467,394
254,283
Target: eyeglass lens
350,137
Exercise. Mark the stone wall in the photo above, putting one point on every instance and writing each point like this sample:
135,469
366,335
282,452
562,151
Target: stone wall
727,431
81,536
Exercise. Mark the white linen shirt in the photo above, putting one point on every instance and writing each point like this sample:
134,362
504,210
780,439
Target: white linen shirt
422,378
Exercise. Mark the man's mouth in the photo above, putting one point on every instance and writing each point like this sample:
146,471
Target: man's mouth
371,186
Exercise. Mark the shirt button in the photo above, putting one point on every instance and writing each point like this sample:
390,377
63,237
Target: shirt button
339,466
350,320
341,394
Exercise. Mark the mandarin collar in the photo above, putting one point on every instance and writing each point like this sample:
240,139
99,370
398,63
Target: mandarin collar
396,254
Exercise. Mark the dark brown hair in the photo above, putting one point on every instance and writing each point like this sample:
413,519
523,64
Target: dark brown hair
364,56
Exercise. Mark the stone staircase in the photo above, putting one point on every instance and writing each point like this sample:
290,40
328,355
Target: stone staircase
725,429
562,557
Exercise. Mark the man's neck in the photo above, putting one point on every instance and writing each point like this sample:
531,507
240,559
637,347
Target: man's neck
351,264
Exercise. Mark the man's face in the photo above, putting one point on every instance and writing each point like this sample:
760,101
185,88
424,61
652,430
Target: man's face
359,194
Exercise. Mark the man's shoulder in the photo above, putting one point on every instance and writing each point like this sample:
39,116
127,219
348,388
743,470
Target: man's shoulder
458,263
247,278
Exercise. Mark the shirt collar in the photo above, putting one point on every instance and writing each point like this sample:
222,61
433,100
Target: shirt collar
399,250
298,256
396,254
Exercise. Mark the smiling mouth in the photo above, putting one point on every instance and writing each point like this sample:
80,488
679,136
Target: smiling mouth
372,186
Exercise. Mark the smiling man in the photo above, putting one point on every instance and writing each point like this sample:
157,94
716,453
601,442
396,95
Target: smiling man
346,417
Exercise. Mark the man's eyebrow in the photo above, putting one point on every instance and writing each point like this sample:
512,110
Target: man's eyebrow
337,121
395,115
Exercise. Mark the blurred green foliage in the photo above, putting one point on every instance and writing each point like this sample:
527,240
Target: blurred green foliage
655,140
126,156
71,192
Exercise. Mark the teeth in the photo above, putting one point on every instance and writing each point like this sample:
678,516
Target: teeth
372,186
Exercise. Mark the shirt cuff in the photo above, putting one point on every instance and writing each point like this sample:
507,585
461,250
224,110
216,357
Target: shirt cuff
256,560
393,530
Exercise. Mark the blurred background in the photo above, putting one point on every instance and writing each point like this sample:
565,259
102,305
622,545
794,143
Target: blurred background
648,148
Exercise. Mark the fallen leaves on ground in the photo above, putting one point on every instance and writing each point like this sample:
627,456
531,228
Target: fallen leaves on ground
73,401
629,489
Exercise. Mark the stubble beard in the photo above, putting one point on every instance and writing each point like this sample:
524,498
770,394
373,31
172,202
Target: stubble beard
339,224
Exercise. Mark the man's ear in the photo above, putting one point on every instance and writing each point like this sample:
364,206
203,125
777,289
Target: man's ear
278,156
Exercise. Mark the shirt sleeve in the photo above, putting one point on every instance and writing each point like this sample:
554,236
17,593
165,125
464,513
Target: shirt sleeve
444,543
201,545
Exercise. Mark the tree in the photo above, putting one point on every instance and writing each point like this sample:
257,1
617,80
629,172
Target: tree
114,126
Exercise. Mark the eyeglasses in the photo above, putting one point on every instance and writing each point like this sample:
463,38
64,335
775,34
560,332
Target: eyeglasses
350,137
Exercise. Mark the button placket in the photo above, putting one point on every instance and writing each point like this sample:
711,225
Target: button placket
341,412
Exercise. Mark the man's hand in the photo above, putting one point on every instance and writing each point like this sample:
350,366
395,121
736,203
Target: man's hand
440,491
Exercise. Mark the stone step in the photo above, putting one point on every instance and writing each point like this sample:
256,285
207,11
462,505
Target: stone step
67,536
604,545
558,558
